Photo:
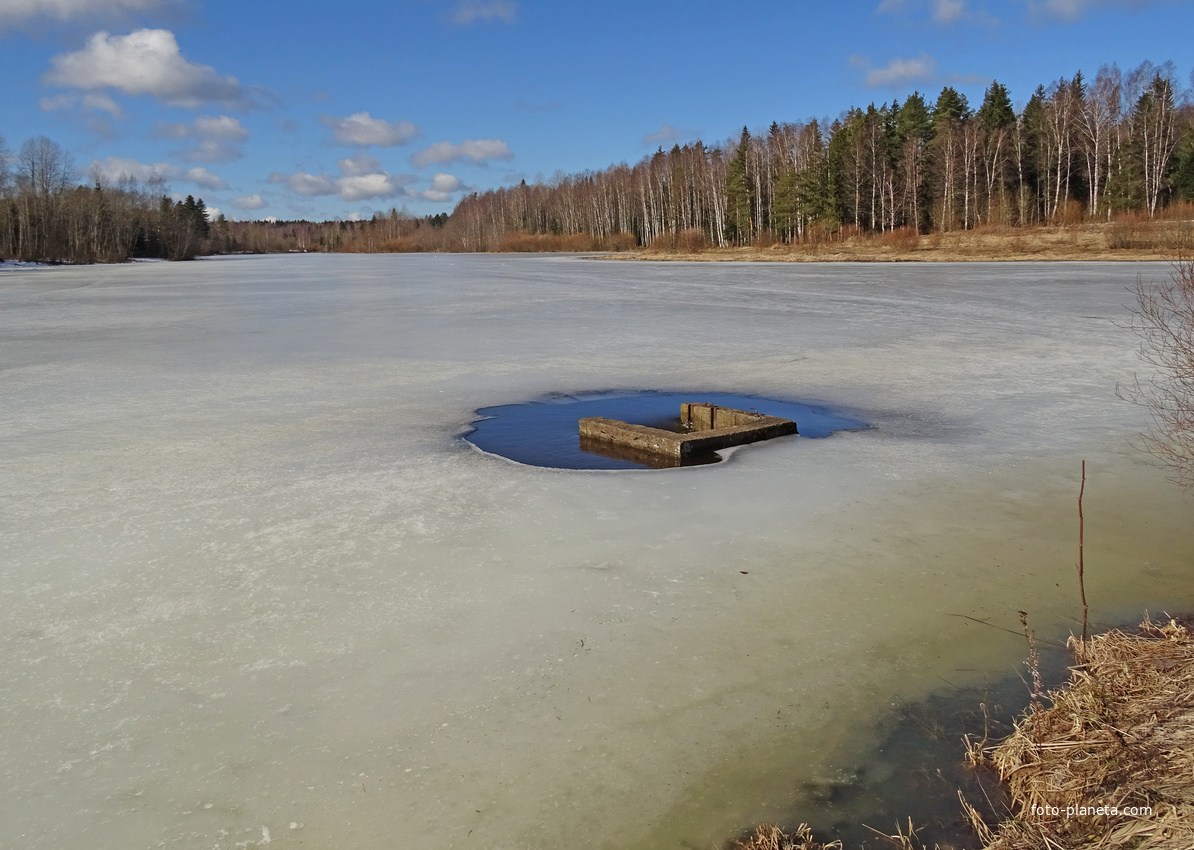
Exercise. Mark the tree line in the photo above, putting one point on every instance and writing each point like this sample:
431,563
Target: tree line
46,215
1078,150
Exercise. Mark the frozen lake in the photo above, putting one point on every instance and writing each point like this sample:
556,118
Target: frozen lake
257,590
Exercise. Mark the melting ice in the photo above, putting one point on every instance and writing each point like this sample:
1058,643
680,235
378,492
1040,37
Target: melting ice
257,590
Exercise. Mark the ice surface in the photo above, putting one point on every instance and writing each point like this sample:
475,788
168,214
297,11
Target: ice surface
255,588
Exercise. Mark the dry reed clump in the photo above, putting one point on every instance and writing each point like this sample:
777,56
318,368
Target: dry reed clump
1120,734
1136,230
768,837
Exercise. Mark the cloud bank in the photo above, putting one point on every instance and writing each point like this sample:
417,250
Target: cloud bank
116,169
361,178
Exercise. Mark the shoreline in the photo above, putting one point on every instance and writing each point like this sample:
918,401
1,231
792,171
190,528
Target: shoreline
1081,772
1119,241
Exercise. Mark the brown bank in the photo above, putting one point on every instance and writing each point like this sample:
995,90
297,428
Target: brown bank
1126,239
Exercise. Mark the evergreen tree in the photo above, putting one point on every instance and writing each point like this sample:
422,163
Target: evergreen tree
947,156
739,195
951,106
1030,156
1182,177
996,120
913,130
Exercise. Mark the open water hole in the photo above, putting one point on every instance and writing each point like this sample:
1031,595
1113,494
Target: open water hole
543,432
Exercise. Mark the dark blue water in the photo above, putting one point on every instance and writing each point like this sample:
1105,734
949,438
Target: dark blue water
545,432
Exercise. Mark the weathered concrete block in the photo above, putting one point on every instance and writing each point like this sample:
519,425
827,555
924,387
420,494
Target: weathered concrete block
712,427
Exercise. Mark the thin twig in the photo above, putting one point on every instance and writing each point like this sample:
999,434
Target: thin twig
1033,662
1081,566
1002,629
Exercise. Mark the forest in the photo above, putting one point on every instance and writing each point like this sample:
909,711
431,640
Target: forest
1078,151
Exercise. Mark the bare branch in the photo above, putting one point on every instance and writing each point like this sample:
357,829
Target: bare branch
1164,321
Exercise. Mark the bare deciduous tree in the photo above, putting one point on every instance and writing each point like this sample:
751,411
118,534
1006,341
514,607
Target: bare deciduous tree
1164,321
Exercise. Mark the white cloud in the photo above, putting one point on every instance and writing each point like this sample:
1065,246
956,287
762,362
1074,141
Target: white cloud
471,11
99,125
945,11
147,62
359,187
305,184
249,202
212,150
173,130
12,11
92,100
58,101
665,134
363,129
1067,9
948,11
898,71
361,164
221,127
202,177
443,186
115,169
361,177
446,183
478,150
212,213
216,139
101,101
1073,9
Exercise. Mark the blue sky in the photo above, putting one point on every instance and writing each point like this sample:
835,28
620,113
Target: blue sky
322,110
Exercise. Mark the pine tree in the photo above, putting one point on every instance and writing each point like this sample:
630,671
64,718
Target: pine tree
913,130
1183,167
739,196
947,154
996,121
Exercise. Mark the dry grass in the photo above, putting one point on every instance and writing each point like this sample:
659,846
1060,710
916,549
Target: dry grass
1120,734
1130,237
519,242
768,837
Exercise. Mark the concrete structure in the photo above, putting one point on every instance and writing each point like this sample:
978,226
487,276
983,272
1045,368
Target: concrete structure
710,428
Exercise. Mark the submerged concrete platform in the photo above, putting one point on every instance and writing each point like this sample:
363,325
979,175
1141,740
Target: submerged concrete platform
712,428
